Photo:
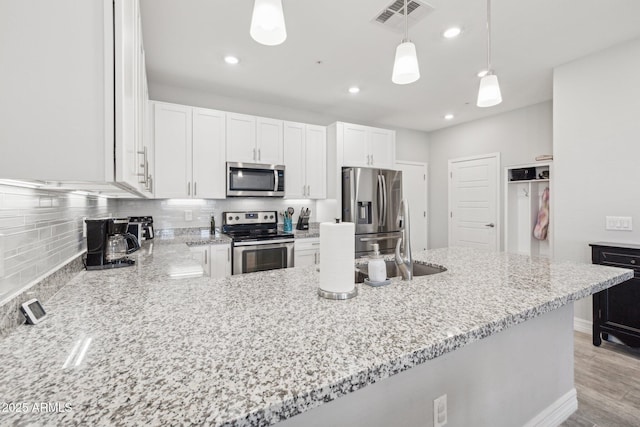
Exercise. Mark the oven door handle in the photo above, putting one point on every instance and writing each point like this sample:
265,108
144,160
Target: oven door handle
277,242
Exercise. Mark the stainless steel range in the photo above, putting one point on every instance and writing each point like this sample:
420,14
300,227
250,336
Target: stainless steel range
258,245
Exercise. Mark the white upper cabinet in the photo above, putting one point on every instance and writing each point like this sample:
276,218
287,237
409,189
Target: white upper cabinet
208,154
356,145
76,99
382,143
189,152
241,138
253,139
305,158
367,146
173,150
269,141
294,160
316,161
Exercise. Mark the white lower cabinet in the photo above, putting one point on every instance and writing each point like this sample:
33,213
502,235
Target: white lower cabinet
215,259
307,252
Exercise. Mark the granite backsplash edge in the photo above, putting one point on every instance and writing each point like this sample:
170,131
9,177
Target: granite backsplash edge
43,289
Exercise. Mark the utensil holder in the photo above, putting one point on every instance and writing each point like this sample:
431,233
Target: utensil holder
288,225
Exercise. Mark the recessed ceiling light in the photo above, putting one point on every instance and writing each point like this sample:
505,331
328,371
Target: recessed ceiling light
452,32
482,73
231,60
354,89
448,117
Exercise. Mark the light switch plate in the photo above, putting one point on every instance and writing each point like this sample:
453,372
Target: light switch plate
188,215
619,223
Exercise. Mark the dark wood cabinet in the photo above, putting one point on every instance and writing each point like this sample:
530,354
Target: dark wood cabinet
616,311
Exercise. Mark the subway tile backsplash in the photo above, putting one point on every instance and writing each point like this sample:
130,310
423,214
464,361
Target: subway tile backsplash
39,231
170,213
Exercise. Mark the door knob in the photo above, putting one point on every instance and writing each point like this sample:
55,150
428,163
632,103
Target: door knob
490,225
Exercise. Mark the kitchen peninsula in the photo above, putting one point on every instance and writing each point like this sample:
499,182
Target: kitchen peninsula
151,345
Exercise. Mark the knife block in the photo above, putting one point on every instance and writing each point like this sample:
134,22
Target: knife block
303,223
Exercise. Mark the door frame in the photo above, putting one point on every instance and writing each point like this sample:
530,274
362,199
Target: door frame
426,188
495,155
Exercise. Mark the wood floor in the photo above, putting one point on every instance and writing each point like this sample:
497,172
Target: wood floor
607,379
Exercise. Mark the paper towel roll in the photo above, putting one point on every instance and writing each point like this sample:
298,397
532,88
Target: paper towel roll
338,247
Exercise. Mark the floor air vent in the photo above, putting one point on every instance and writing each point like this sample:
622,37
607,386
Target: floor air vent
392,16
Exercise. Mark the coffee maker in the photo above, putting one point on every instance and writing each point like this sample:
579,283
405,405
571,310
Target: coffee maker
109,243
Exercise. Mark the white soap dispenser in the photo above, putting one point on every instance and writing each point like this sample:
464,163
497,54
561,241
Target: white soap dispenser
377,267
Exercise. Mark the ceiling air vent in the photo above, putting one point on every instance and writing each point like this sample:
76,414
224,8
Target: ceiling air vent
392,16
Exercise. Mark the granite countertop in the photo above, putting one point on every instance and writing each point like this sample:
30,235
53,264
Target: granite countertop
140,345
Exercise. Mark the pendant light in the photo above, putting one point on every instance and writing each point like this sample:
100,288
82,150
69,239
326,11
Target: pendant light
267,22
405,67
489,92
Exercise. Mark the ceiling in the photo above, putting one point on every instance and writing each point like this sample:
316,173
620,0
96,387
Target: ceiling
332,45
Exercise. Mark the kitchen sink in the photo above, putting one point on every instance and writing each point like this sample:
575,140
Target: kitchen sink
362,271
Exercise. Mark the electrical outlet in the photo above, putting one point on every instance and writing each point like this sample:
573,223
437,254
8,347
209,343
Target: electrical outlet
619,223
84,227
188,215
440,411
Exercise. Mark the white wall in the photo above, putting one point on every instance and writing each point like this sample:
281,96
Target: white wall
596,150
519,135
412,145
204,99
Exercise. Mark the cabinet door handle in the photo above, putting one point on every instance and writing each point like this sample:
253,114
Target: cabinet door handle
254,154
491,225
205,257
372,160
195,188
144,165
188,188
229,254
259,155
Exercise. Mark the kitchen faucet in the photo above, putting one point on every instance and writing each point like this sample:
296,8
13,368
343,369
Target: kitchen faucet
403,245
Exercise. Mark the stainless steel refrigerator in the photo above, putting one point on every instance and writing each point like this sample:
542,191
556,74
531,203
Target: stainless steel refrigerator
371,199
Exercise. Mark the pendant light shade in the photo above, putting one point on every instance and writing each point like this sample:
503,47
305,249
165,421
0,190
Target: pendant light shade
267,22
405,68
489,91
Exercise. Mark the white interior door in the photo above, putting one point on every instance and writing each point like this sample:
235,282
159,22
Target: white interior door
414,189
473,202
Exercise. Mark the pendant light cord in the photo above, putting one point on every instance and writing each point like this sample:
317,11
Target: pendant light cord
406,23
488,37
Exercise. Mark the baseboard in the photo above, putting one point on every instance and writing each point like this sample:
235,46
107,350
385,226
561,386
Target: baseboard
556,413
582,325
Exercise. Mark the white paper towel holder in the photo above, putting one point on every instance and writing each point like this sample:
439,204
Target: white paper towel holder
338,295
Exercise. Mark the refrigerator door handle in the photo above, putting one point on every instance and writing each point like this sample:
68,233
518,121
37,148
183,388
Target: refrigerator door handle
354,197
384,200
380,202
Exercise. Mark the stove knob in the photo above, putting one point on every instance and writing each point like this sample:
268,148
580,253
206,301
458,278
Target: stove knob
265,217
271,217
237,218
230,218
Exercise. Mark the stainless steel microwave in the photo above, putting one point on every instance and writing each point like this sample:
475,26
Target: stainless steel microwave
255,180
